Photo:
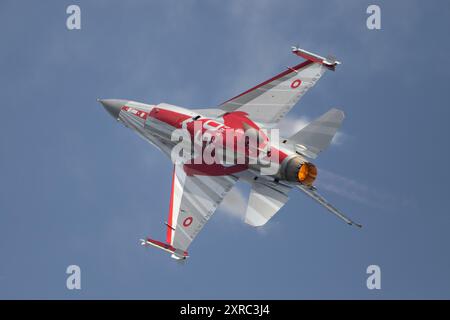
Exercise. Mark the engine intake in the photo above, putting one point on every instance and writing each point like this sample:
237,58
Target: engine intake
297,170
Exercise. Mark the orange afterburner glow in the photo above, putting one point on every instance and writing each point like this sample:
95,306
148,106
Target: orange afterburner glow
307,173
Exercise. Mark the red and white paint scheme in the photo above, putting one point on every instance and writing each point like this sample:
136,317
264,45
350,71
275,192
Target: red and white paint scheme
199,186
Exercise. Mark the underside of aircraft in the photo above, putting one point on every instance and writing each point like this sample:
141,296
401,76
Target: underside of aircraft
199,185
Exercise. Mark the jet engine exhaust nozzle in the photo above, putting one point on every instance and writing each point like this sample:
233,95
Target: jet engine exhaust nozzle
297,170
307,173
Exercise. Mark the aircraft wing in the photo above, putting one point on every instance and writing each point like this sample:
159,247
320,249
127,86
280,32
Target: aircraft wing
269,101
194,199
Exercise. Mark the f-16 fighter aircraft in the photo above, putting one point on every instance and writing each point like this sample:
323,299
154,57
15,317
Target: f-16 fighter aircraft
232,142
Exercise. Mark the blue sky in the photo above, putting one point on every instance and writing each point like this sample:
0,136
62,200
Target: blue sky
77,188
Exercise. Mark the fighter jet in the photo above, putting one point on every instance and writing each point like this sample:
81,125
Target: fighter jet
272,165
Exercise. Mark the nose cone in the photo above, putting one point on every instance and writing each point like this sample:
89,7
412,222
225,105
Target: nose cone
113,106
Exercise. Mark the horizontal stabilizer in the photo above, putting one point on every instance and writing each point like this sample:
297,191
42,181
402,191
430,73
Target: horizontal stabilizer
311,192
317,135
263,203
176,253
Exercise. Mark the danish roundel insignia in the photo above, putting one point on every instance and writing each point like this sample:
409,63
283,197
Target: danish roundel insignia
296,83
187,222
